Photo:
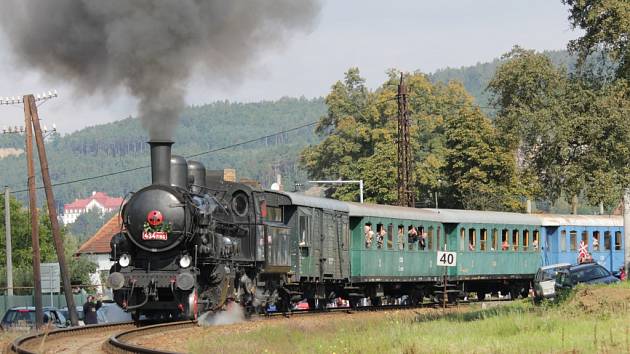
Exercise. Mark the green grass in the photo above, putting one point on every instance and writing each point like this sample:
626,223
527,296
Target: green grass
516,327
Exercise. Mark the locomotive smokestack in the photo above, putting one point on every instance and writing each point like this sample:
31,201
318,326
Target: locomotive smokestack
161,162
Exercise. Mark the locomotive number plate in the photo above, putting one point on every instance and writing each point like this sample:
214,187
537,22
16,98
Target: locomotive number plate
157,235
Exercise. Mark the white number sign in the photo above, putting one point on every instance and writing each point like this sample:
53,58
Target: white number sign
446,259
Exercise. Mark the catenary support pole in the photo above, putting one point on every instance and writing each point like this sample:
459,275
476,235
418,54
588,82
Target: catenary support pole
32,205
52,213
9,249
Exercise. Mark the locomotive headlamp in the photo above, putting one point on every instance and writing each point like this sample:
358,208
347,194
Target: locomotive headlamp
185,261
124,260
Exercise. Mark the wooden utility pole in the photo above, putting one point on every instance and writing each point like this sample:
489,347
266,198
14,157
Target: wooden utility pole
32,204
9,249
52,212
406,197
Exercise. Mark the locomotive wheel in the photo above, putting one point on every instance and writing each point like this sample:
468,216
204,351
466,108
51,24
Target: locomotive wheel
377,301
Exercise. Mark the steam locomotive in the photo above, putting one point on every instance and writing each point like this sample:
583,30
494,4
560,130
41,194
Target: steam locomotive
191,243
188,244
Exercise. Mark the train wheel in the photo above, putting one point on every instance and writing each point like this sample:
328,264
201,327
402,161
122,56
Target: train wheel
525,293
376,301
481,296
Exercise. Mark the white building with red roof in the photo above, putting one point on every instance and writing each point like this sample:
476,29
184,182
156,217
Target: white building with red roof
99,200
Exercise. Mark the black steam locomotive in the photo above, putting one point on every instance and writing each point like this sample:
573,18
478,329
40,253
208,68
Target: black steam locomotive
189,244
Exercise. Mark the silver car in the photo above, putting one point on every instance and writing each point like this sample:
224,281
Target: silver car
545,280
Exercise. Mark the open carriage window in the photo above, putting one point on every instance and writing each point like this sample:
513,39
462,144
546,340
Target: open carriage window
483,239
472,239
563,240
495,240
401,237
390,236
536,241
368,235
525,240
596,240
515,239
607,245
422,238
412,236
573,239
429,235
462,239
618,241
505,240
380,235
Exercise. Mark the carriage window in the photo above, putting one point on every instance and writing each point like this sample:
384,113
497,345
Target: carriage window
563,240
618,241
380,235
390,236
607,240
422,238
430,237
585,238
401,235
462,239
483,238
274,213
304,230
515,236
573,240
536,240
472,239
368,235
525,240
495,237
437,243
505,240
595,240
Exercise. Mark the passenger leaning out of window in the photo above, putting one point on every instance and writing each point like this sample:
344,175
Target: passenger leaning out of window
412,234
380,237
423,241
505,246
369,235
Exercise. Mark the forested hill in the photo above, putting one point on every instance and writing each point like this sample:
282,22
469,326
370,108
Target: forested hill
118,146
476,77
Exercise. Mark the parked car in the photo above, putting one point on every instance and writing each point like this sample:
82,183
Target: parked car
587,273
545,281
109,312
23,318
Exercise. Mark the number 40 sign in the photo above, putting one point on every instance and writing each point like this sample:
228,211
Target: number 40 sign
446,259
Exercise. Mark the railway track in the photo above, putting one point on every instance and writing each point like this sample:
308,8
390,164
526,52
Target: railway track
118,337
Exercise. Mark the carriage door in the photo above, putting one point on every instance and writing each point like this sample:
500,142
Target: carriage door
329,251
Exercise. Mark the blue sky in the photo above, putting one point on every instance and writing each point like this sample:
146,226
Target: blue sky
369,34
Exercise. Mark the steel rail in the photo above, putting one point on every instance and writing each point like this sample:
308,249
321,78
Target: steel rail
118,343
19,345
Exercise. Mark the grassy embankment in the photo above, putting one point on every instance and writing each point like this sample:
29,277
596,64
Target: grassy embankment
591,319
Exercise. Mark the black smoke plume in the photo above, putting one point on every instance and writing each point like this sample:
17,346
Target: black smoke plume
150,47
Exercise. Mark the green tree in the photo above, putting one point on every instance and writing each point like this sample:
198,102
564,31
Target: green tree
607,29
569,134
23,251
359,139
